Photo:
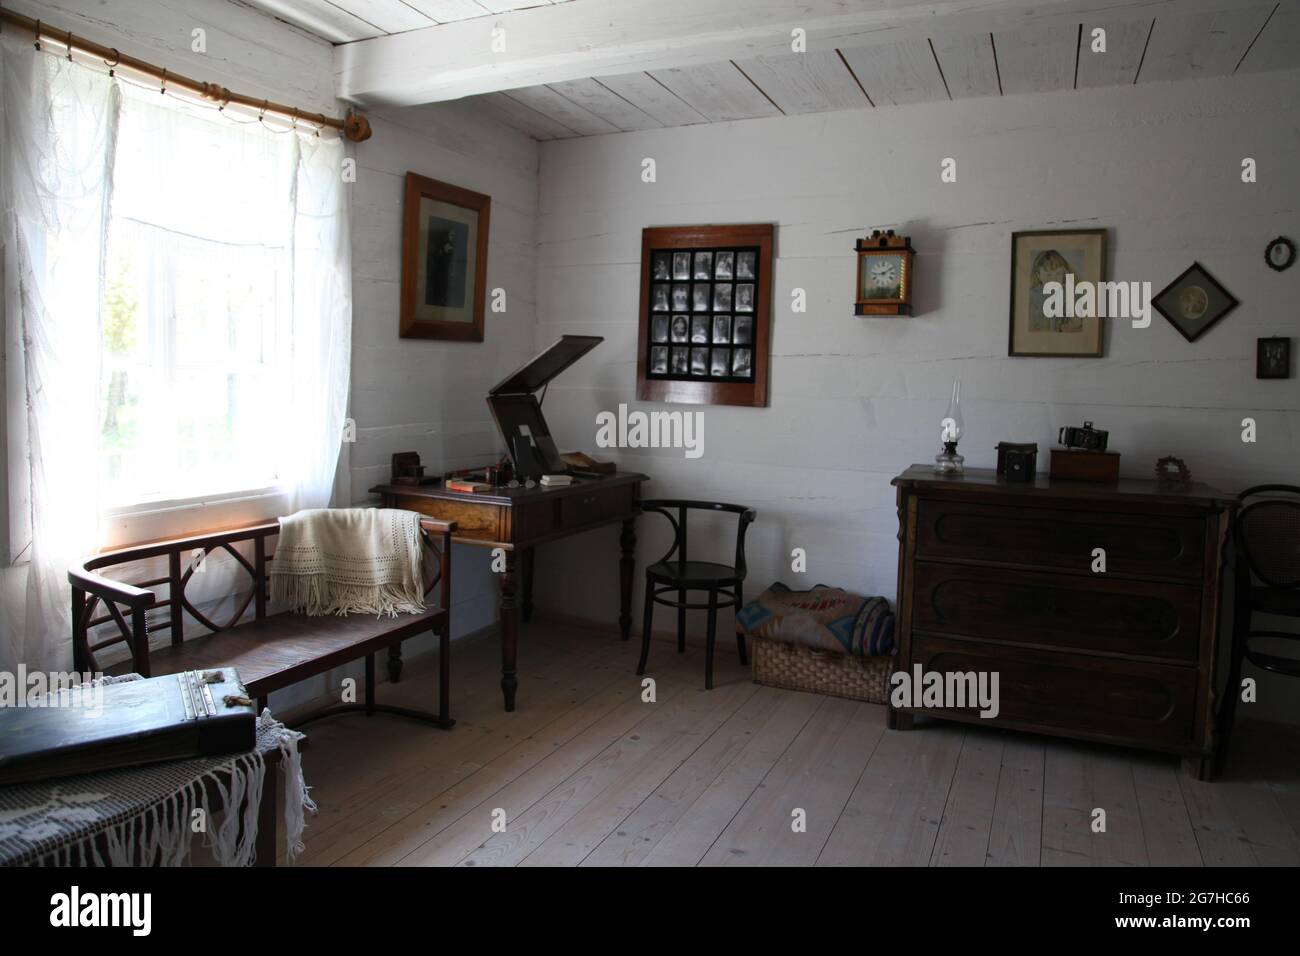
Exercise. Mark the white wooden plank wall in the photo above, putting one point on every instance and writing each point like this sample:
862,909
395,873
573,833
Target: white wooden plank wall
425,396
856,400
246,51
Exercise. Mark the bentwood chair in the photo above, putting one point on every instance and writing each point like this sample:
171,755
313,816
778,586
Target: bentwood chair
674,574
1267,536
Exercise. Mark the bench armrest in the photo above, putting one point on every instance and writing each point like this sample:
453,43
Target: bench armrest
106,589
435,526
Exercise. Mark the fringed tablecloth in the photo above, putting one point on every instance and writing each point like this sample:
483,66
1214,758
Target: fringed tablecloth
143,815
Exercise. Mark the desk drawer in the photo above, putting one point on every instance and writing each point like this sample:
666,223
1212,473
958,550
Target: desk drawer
478,522
1156,545
585,507
1125,701
1063,611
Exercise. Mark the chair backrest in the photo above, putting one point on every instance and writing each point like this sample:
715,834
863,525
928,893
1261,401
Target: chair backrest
1268,533
682,507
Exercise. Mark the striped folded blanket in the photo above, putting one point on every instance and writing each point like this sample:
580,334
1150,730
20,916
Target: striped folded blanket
350,561
830,619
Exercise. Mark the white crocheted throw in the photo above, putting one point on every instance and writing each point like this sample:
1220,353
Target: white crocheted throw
350,561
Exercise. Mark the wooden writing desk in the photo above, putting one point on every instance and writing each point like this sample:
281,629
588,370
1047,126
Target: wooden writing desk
517,520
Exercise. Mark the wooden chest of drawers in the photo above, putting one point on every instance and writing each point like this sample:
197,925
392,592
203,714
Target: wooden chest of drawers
999,577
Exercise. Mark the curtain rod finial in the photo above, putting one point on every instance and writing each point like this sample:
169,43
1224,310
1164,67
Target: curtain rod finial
356,127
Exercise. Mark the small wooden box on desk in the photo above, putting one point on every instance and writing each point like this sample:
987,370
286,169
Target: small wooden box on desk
1079,464
998,577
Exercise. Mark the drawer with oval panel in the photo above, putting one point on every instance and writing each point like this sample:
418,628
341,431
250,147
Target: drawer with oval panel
1067,612
1160,546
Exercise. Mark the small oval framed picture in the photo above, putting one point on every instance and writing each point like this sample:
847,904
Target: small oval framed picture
1280,254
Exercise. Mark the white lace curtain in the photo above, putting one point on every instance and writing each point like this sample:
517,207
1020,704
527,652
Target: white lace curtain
67,135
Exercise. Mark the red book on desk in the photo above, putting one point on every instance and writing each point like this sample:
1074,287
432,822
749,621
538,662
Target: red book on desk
460,484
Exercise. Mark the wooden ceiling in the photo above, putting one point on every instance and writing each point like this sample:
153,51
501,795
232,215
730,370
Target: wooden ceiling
699,64
346,21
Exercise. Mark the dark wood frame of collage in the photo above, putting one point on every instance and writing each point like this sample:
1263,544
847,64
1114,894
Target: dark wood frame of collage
702,391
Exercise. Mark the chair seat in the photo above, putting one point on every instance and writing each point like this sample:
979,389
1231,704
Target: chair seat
276,651
1284,601
694,574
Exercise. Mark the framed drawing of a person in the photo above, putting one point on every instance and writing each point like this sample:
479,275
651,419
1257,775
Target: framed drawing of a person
444,261
1043,266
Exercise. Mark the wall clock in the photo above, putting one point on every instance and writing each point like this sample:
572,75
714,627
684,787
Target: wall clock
1280,254
884,274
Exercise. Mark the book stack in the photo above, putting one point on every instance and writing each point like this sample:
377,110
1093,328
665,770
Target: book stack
556,481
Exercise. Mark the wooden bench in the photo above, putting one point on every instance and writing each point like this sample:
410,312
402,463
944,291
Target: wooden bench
270,651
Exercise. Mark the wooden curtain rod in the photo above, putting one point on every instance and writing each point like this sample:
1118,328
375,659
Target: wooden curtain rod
354,126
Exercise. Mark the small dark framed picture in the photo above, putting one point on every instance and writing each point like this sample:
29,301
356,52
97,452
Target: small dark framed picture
724,265
681,265
444,261
704,265
1273,358
663,267
659,360
660,303
700,330
681,328
700,298
660,333
681,297
1194,302
743,330
744,298
699,361
721,329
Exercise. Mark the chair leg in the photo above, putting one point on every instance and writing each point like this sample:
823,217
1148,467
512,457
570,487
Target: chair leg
1231,693
740,632
647,622
709,640
681,623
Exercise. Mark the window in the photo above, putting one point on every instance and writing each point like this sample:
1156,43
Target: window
198,304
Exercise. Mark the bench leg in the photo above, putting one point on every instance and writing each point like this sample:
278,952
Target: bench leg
444,676
395,663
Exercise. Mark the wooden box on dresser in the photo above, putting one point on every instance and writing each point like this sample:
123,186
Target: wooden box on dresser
995,576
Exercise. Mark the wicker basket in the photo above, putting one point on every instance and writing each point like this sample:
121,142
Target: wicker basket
799,667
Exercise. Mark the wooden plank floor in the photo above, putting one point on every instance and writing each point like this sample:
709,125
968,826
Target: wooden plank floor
587,773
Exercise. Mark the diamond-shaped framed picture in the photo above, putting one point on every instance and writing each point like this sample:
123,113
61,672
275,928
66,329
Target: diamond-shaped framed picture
1194,302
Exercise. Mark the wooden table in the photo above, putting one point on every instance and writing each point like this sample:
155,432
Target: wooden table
517,520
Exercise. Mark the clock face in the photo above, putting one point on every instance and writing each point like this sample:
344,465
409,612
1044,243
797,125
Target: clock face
882,277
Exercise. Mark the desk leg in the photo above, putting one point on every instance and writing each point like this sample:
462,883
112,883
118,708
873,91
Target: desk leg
626,567
509,628
526,572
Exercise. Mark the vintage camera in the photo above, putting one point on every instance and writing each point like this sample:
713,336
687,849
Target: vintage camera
1087,437
1017,461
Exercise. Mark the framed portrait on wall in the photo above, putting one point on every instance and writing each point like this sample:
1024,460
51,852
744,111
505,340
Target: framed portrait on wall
1039,327
444,261
705,310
